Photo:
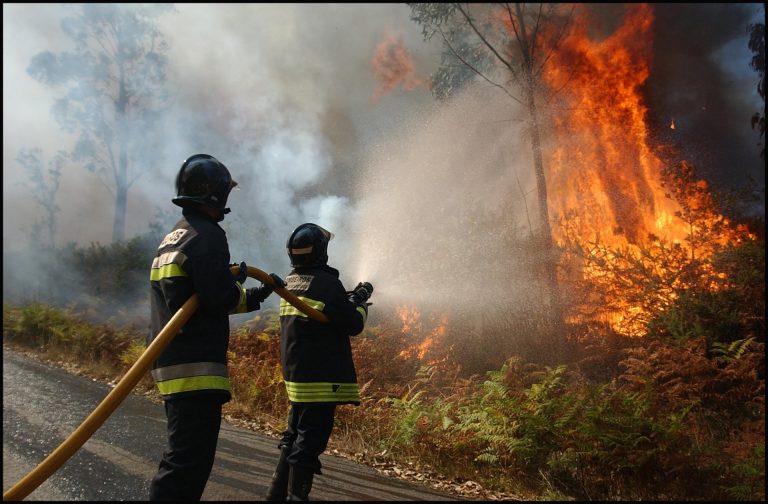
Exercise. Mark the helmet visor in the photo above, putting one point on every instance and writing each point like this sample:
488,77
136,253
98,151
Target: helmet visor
327,233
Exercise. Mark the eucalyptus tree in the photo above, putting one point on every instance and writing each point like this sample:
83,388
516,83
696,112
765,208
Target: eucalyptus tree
506,46
44,185
114,91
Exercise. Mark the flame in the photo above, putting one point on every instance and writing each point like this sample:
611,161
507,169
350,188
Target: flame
604,180
392,64
409,316
672,124
412,325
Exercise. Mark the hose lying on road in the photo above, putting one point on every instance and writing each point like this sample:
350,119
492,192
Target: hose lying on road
77,439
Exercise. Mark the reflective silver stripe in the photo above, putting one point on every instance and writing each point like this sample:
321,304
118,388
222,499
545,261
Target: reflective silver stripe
175,257
190,369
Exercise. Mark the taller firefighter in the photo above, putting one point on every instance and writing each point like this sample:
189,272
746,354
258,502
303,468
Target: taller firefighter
316,359
191,373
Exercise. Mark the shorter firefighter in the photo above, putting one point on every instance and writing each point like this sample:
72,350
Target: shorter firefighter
316,359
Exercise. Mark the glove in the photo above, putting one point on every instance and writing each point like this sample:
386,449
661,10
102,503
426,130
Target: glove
242,274
279,282
360,294
259,294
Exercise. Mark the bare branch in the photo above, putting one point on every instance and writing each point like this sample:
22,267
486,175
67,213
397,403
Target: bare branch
490,46
471,67
558,40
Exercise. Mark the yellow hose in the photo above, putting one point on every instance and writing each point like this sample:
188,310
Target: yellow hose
77,439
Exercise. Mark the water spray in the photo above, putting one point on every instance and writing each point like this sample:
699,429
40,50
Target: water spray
79,436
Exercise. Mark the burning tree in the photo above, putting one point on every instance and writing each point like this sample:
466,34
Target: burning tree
115,91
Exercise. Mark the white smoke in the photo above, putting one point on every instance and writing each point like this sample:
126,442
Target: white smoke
281,94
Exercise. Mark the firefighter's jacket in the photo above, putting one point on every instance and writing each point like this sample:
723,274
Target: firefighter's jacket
316,357
194,258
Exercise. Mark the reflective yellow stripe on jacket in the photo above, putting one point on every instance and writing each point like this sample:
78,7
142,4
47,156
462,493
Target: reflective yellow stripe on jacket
167,265
287,309
192,376
322,392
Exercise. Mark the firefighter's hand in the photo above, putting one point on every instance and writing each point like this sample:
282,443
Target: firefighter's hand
263,292
361,293
242,274
257,295
279,282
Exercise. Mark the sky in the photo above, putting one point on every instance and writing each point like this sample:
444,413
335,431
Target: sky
302,123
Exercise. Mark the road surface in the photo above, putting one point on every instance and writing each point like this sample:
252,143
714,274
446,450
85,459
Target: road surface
43,405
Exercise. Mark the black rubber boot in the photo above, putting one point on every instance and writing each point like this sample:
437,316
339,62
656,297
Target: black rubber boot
300,483
278,488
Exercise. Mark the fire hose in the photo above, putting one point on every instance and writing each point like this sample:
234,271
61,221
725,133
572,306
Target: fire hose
79,436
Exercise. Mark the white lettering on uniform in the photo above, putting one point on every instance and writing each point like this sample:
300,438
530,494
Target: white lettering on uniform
298,282
173,237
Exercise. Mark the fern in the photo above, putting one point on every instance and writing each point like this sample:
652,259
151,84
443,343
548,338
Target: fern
729,352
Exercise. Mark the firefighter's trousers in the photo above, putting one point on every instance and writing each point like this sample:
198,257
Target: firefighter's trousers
309,428
193,432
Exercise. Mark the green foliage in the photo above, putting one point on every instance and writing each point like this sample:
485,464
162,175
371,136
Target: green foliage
488,41
136,349
100,281
749,478
515,429
63,333
409,410
35,324
115,273
726,353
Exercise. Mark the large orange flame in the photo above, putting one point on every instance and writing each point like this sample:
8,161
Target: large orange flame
604,179
602,173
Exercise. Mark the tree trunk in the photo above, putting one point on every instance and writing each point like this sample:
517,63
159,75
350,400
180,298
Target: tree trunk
545,234
121,198
121,177
549,263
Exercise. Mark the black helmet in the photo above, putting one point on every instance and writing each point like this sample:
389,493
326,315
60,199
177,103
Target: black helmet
205,180
308,245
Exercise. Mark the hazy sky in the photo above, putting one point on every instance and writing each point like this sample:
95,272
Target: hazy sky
259,60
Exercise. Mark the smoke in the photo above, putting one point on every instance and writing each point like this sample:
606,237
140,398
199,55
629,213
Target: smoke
700,78
442,207
285,96
281,94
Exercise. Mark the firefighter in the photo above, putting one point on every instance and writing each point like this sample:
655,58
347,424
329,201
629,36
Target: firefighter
316,359
191,373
